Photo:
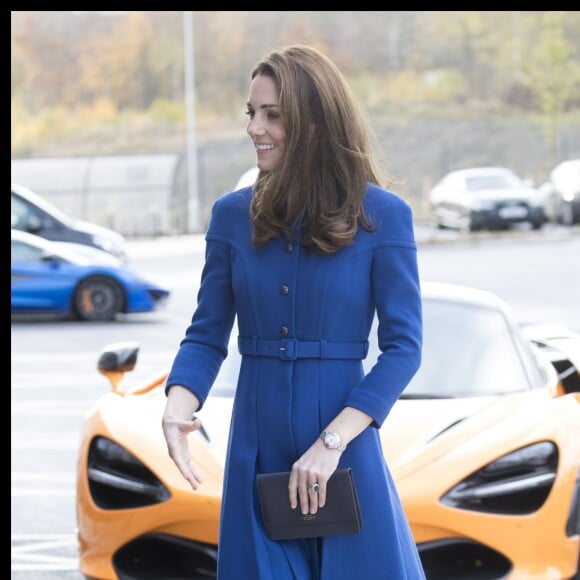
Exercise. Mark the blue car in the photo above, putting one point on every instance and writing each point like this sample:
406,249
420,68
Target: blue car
76,281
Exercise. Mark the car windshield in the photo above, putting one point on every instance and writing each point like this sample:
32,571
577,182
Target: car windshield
467,351
24,200
497,181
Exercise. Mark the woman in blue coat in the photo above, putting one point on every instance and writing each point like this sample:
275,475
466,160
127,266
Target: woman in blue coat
303,260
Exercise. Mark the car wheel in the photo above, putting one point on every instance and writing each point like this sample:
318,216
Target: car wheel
466,225
436,223
567,214
97,298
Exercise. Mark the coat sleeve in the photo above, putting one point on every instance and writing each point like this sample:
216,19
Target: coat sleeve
205,344
397,295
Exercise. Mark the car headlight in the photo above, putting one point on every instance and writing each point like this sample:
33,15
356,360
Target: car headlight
568,193
118,480
514,484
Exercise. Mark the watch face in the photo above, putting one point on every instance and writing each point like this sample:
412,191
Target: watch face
331,440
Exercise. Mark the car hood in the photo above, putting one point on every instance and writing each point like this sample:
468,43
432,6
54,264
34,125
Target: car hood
510,193
419,432
97,230
83,255
416,433
108,240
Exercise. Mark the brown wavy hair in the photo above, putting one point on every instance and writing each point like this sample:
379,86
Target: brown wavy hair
321,181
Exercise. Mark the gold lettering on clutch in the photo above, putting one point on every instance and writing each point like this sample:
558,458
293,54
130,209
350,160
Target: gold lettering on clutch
308,517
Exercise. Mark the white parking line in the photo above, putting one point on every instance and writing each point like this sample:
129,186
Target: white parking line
43,492
30,552
41,440
55,408
52,477
42,484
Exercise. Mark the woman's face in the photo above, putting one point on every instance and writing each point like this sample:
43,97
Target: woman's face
264,125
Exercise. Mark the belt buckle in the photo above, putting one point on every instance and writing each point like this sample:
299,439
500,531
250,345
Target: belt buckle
288,348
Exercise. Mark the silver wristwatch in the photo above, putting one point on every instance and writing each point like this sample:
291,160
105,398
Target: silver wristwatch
332,441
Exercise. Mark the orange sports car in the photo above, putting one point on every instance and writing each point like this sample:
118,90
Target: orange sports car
484,445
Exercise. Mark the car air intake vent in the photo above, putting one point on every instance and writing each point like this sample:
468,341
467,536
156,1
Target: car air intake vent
164,557
568,375
450,426
118,480
516,483
459,559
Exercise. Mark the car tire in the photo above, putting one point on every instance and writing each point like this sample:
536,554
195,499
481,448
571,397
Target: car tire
436,223
467,226
567,214
98,298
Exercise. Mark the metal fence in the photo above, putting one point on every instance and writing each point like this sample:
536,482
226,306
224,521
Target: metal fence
131,194
147,194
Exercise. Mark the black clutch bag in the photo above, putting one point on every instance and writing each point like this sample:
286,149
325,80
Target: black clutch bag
340,514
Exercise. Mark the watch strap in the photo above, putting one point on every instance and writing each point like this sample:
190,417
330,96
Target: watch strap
340,446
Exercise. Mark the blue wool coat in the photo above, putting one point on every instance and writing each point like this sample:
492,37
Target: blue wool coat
305,303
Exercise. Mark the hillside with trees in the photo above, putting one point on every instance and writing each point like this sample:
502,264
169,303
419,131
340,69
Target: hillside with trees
73,73
443,88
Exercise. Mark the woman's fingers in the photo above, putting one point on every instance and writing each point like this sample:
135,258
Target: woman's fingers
176,431
306,489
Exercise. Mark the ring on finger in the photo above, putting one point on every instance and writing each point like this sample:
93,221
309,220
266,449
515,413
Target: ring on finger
315,487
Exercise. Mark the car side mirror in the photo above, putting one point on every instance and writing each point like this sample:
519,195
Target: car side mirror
117,359
51,259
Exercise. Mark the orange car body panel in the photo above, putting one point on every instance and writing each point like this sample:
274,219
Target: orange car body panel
422,476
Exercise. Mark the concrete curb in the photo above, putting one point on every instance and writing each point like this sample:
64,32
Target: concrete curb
139,248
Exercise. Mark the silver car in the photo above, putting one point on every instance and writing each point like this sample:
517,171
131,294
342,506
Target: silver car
490,198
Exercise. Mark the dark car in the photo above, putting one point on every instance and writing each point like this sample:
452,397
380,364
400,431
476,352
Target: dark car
33,214
489,198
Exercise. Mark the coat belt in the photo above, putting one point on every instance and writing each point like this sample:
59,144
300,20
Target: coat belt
292,348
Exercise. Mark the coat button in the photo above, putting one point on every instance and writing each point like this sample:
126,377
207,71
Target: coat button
289,248
283,330
284,289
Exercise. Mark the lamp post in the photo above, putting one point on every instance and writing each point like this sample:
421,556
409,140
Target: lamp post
193,218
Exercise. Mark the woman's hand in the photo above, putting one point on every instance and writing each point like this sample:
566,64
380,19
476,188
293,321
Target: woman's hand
318,463
181,403
315,466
